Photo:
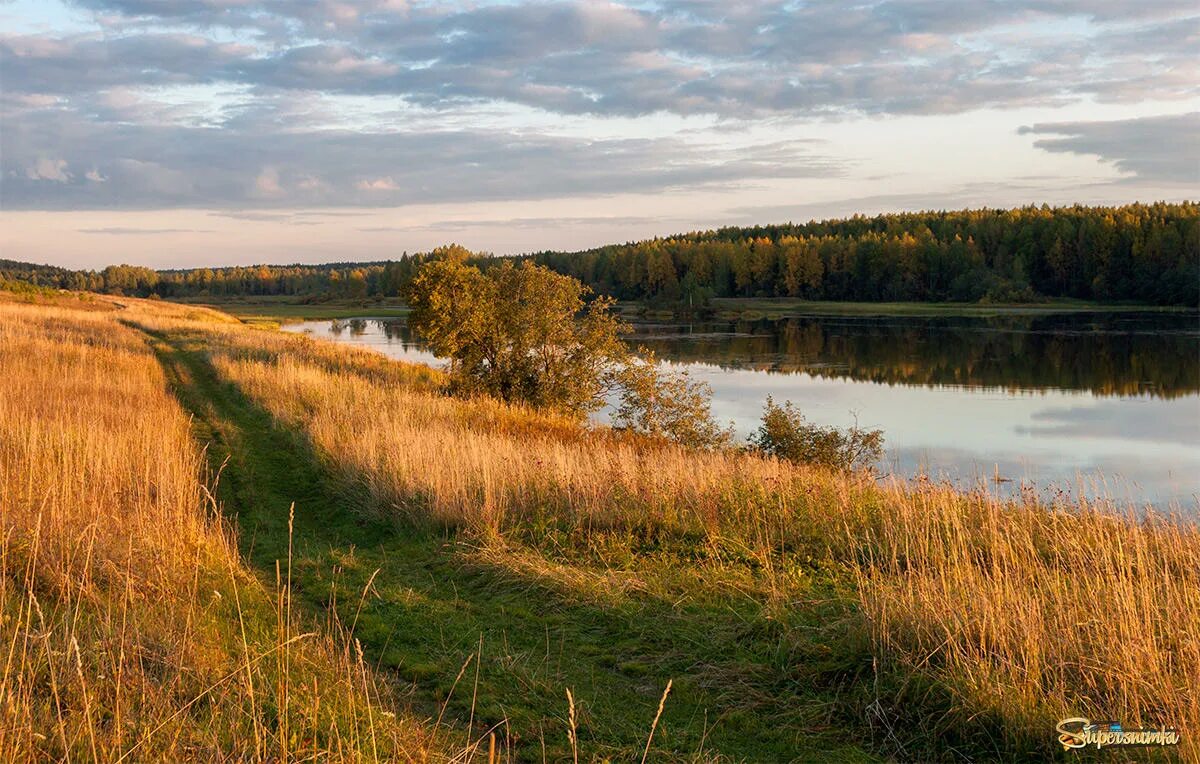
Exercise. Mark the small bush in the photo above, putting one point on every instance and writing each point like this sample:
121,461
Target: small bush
665,404
784,433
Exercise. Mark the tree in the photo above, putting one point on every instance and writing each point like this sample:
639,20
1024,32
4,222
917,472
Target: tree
519,333
785,434
523,333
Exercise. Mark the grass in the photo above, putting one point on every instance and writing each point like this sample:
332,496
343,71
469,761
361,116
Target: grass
509,572
752,307
535,626
131,629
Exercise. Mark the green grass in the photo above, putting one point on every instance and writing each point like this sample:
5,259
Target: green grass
747,686
751,307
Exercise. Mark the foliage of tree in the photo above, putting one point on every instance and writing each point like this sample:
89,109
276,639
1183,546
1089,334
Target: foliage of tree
1138,252
523,333
665,404
519,333
785,433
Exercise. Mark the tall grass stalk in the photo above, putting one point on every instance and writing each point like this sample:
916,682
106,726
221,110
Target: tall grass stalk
130,628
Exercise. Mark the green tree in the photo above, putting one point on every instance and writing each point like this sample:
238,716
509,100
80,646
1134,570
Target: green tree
519,333
785,434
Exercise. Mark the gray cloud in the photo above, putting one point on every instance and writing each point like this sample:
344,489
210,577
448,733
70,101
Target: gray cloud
524,223
85,63
124,231
90,121
1162,148
57,159
894,56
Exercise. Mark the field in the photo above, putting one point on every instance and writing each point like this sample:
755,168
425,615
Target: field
132,628
222,541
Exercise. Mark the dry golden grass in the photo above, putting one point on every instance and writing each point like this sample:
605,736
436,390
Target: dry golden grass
984,617
1017,613
1028,614
130,628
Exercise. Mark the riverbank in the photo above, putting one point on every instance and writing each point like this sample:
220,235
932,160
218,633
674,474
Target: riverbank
512,573
752,308
287,309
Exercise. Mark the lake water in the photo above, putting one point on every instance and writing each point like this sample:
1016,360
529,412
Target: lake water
1093,404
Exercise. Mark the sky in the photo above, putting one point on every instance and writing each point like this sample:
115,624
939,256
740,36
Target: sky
181,133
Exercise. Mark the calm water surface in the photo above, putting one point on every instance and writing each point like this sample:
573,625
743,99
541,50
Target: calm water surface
1098,404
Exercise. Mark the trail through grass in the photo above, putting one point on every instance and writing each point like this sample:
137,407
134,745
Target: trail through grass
430,607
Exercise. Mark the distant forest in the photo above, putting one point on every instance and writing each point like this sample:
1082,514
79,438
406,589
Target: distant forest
1146,253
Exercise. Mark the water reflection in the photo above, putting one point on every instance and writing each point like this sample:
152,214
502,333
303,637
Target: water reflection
1107,354
1091,404
389,335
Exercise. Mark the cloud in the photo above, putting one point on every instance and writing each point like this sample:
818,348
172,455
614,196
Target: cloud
681,56
125,231
1161,148
48,169
297,217
519,223
223,103
85,63
266,185
162,166
377,184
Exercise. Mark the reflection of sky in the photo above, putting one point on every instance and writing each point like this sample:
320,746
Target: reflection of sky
1133,448
1149,445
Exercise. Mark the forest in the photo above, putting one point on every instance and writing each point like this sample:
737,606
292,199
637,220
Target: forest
1139,253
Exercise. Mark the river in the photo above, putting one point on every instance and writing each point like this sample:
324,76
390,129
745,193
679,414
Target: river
1094,404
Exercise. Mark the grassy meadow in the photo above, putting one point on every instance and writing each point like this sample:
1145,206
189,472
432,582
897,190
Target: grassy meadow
132,628
224,542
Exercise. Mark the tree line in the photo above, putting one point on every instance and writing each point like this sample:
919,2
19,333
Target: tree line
1146,253
1138,252
331,281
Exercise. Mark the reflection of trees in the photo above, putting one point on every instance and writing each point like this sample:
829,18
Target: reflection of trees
396,330
1129,354
1153,355
356,326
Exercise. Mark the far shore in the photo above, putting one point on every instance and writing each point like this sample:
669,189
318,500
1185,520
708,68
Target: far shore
292,309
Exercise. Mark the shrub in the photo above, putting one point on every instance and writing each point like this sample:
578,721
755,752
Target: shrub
665,404
784,433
